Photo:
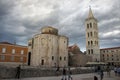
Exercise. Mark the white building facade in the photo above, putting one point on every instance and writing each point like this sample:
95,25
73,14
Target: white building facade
48,49
92,39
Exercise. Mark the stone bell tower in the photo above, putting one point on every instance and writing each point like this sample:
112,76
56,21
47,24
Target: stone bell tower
92,39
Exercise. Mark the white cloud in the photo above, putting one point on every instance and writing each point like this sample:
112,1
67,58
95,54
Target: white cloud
24,18
111,33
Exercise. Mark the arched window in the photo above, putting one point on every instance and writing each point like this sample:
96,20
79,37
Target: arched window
88,43
60,58
87,26
91,51
91,34
91,42
88,34
88,51
42,62
90,25
52,57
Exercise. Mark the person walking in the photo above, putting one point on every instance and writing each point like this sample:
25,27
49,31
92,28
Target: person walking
64,74
69,74
18,71
108,71
95,78
115,70
57,70
101,74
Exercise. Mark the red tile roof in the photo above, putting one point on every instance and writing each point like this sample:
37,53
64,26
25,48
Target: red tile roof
6,43
110,48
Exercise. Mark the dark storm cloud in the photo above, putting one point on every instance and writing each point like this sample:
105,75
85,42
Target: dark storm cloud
21,19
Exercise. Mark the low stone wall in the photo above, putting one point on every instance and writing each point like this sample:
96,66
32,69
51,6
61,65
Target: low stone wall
10,72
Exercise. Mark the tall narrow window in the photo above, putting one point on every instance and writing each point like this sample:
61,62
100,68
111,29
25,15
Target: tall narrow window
88,51
88,34
60,58
22,51
91,42
42,62
52,57
13,51
3,50
90,25
88,43
91,34
91,51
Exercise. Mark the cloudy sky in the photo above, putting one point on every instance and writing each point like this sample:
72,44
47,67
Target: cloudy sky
21,19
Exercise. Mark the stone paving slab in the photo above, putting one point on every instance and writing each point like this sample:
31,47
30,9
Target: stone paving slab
75,77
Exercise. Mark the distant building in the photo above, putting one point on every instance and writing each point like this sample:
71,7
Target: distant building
92,39
12,53
76,57
48,49
110,55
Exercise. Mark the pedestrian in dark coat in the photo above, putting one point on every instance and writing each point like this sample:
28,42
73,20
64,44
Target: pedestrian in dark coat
64,74
57,70
101,75
18,71
95,78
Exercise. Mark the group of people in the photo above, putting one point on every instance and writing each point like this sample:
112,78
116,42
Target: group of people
117,70
66,75
100,72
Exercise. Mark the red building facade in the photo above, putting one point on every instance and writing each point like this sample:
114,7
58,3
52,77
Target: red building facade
12,53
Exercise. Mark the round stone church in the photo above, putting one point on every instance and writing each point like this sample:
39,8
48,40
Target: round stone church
48,49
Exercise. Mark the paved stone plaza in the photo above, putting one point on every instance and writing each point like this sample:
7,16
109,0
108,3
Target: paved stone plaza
75,77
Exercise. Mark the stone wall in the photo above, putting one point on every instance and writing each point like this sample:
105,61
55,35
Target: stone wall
10,72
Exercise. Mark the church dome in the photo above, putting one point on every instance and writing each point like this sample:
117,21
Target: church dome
49,30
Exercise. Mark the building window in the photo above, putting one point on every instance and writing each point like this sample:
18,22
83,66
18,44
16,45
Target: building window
29,44
91,42
13,51
42,62
88,51
91,51
88,34
90,25
103,55
22,51
60,58
12,58
2,57
21,58
91,34
112,55
64,58
3,50
88,43
104,51
52,57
